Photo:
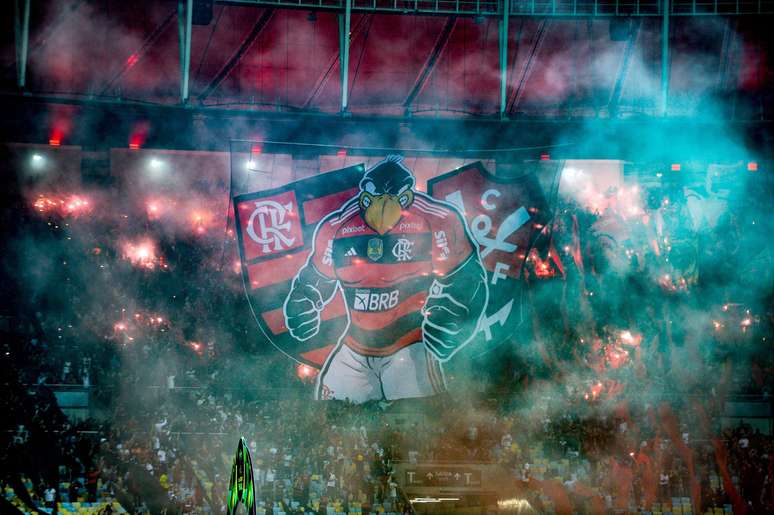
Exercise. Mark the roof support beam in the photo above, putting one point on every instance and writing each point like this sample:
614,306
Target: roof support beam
344,42
432,59
504,58
537,42
363,21
533,8
240,52
21,26
184,34
615,96
140,53
664,58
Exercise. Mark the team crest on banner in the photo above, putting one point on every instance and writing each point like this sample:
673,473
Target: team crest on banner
275,228
505,216
376,283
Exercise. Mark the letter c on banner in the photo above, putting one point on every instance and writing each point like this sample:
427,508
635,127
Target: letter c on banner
485,199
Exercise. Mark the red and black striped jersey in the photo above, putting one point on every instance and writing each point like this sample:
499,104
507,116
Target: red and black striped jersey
385,278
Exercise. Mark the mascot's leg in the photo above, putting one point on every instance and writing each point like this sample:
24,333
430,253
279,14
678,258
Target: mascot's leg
348,375
411,372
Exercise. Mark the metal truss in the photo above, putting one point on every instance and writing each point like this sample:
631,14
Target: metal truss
541,8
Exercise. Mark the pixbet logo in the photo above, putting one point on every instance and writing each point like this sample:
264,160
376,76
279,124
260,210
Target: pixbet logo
366,300
410,226
355,228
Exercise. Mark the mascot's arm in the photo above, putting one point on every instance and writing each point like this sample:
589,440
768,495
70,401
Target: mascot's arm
309,293
453,308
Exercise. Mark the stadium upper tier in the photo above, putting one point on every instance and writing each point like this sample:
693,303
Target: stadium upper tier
563,58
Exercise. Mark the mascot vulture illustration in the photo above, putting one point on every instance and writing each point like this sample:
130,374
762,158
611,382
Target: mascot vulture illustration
412,281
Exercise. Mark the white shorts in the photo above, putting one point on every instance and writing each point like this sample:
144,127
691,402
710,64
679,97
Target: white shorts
410,372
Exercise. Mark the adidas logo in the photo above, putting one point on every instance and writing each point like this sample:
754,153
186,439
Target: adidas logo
351,252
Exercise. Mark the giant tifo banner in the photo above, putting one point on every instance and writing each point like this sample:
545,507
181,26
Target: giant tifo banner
358,273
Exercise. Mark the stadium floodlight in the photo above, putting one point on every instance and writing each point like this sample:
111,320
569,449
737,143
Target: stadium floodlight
37,161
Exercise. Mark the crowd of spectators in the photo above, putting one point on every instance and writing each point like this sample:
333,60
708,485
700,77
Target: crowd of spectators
641,329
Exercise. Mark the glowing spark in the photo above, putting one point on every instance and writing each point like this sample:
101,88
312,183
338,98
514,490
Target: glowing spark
72,205
143,254
304,371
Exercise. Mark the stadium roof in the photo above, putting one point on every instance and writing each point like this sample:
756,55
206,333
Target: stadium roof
262,57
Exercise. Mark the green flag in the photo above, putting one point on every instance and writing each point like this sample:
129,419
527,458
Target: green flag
241,487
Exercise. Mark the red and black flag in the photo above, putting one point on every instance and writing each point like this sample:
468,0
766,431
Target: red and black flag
508,216
275,230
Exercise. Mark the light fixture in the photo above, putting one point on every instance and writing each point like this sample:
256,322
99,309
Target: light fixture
37,161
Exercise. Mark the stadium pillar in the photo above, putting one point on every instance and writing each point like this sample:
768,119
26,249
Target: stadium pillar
21,25
344,27
664,58
504,58
184,36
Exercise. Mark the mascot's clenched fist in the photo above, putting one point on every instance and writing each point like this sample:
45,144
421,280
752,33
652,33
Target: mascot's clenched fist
412,282
447,323
303,306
